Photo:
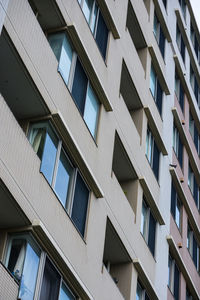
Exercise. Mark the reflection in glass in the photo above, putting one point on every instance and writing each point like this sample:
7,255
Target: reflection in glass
63,178
29,275
49,156
91,111
65,294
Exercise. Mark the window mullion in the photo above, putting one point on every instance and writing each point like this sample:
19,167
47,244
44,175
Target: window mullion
56,164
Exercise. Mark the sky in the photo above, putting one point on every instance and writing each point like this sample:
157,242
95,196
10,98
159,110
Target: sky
196,8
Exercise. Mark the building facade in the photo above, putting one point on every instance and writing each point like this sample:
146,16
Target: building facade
99,150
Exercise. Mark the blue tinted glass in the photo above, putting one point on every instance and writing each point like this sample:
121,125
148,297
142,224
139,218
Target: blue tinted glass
65,294
29,275
87,9
56,41
49,156
65,60
153,81
63,178
91,111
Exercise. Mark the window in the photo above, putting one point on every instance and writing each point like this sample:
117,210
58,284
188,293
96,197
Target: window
156,89
193,248
73,74
194,85
195,43
173,278
159,35
176,207
148,227
179,91
23,259
177,145
152,153
180,43
194,133
141,292
61,174
96,22
193,185
183,6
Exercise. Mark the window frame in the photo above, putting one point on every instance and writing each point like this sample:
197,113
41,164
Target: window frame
70,196
178,145
180,43
144,295
43,257
158,32
71,79
176,205
190,246
94,31
155,92
172,268
151,157
147,228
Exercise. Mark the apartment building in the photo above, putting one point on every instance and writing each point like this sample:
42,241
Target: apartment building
99,150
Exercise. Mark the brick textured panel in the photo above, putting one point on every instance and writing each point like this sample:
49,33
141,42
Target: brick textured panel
8,286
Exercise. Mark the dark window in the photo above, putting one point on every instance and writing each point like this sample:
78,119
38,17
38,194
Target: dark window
97,24
159,35
177,145
102,35
152,152
80,204
179,91
175,207
148,226
156,89
79,88
180,43
50,283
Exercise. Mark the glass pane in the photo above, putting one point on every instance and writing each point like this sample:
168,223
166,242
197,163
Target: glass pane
91,111
65,294
94,18
87,9
169,271
153,82
139,292
37,139
144,220
56,41
63,178
79,87
16,258
102,35
65,60
50,283
80,204
178,213
49,155
28,281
